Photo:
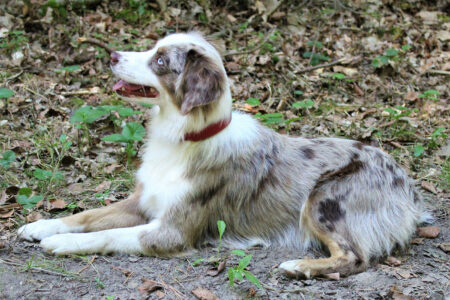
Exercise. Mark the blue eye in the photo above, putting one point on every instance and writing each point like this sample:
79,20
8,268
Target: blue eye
160,61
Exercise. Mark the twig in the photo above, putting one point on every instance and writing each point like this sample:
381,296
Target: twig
336,62
14,76
87,265
439,72
95,42
250,50
35,268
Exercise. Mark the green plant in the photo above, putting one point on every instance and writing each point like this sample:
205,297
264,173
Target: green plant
68,69
399,111
6,93
430,95
315,57
390,54
131,132
7,158
239,272
253,101
27,199
100,284
308,103
13,41
419,149
270,119
338,76
221,227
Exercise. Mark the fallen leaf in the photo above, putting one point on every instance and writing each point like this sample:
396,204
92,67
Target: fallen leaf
103,186
428,232
251,293
204,294
428,186
410,96
417,241
392,261
33,217
149,286
7,215
160,294
111,168
217,270
397,294
3,197
56,205
75,188
402,274
444,246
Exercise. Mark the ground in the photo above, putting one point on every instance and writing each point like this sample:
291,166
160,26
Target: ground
375,72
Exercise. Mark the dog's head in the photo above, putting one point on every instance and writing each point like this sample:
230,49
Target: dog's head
182,70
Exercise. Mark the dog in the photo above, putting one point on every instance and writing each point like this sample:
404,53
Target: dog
203,163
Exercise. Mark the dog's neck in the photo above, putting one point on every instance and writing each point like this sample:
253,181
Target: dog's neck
167,124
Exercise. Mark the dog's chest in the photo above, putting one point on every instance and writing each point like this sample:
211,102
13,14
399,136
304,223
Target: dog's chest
162,175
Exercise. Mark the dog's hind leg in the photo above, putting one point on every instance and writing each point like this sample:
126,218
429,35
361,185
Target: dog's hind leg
329,229
121,214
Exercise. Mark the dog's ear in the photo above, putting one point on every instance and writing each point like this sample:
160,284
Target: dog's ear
202,82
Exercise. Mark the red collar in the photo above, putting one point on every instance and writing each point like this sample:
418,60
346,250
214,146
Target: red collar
207,132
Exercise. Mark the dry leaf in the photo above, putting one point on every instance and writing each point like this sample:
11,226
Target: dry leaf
392,261
160,294
75,188
216,271
428,186
103,186
33,217
417,241
428,232
402,274
149,286
397,294
204,294
56,205
7,215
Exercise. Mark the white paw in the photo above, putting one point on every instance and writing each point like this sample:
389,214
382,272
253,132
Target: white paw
296,268
74,243
41,229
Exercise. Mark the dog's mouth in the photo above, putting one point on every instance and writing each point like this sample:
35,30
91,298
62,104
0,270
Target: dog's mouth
127,89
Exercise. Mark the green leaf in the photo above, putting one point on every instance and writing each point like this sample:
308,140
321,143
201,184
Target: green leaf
7,158
238,275
117,137
391,111
24,192
252,278
221,227
28,202
43,175
298,93
338,76
438,132
419,150
253,101
133,131
128,111
197,261
238,252
6,93
303,104
244,262
87,114
391,52
406,47
273,118
69,69
231,276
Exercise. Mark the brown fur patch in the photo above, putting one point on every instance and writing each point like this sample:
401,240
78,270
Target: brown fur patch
398,181
307,152
331,210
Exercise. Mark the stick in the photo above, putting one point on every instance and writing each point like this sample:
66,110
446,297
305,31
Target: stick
439,72
233,52
336,62
95,42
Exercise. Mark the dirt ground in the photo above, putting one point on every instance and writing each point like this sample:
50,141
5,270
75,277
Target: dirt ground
374,71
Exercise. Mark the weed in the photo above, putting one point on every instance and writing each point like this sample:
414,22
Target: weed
68,69
270,119
315,57
7,158
308,103
221,227
6,93
239,272
131,132
253,101
390,55
27,199
430,95
15,40
100,284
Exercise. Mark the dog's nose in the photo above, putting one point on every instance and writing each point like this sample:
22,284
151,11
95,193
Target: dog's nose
114,58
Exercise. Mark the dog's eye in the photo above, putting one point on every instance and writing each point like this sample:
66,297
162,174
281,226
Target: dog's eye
160,61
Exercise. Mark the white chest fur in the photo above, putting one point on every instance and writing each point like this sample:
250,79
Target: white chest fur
162,174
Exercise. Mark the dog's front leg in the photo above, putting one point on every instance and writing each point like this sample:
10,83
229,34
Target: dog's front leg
151,239
120,214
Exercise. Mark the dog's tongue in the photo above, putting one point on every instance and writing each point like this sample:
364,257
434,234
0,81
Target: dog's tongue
127,86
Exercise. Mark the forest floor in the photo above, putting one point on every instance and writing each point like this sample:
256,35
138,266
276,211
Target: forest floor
375,72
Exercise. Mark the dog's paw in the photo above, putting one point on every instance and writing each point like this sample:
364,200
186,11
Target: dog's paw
41,229
73,243
299,268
